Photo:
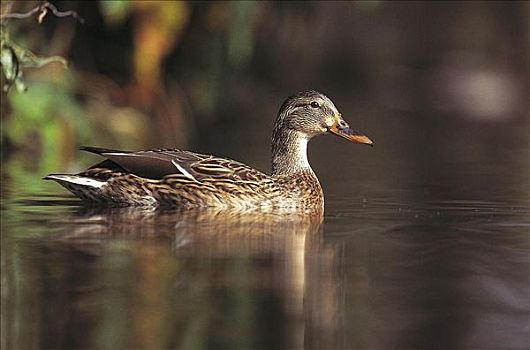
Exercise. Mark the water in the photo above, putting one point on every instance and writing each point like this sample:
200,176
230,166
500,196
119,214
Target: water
378,274
413,252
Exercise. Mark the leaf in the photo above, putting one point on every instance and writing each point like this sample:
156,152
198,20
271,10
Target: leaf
29,59
14,58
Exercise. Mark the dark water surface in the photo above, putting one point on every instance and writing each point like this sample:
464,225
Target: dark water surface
431,254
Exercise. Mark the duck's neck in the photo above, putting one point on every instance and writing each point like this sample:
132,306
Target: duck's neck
289,152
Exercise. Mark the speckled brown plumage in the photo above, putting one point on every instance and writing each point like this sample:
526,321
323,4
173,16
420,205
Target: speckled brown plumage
172,177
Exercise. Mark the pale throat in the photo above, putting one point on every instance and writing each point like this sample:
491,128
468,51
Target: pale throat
289,156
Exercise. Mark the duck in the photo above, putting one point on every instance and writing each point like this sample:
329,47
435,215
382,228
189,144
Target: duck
184,179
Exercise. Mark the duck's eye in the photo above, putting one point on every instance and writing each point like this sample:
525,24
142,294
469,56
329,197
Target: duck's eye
315,104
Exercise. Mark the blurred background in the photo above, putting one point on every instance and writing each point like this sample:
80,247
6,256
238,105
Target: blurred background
210,76
425,237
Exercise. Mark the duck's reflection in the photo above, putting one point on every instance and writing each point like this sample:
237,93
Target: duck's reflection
191,279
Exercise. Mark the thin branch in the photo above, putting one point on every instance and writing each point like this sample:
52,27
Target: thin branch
42,11
58,13
21,15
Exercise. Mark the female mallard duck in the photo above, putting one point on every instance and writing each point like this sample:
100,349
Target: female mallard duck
185,179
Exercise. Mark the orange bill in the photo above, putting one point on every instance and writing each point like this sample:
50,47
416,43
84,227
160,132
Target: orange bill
349,134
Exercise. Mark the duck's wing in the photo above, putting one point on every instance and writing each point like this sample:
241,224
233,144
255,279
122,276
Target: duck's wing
159,163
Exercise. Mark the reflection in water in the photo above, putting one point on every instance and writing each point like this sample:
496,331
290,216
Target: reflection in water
447,275
130,278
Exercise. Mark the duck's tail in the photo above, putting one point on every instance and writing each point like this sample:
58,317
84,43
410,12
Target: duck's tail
83,187
75,180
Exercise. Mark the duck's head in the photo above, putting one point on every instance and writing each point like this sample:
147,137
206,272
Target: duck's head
311,113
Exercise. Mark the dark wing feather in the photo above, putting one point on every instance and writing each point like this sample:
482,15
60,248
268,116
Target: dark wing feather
98,150
158,163
148,164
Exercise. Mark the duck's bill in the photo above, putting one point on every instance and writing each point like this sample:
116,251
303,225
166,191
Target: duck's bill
351,135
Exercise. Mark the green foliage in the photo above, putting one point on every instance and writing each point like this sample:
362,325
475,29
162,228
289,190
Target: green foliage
44,118
14,59
44,109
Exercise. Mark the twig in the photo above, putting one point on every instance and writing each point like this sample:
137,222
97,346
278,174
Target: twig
21,15
42,11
